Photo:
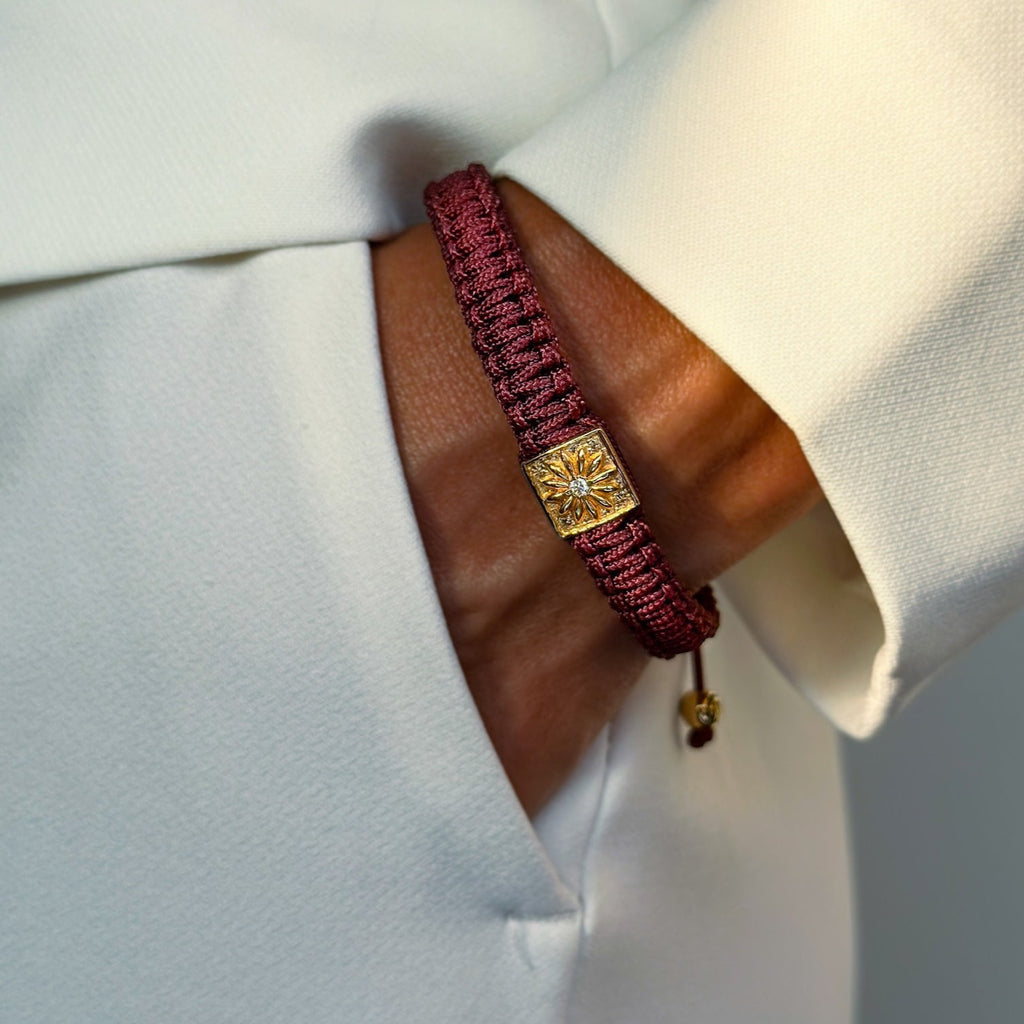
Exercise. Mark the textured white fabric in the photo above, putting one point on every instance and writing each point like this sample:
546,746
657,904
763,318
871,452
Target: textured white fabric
712,881
831,196
221,721
226,127
241,776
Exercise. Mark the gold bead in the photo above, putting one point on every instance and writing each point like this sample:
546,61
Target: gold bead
700,708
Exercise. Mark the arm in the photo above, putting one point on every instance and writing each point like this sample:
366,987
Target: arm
547,662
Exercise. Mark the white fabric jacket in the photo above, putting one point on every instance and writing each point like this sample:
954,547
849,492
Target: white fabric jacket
241,776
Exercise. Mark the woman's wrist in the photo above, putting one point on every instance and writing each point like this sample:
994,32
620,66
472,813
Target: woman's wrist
547,662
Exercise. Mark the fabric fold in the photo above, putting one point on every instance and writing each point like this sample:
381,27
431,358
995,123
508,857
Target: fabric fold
830,196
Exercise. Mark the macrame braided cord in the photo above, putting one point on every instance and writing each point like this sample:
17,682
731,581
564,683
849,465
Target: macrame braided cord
515,339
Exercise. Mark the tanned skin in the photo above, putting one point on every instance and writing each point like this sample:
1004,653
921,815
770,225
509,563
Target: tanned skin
547,662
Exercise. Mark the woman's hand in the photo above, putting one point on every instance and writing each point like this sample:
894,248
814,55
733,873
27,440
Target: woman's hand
547,661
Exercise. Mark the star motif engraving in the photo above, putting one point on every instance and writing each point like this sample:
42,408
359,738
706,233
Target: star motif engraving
581,483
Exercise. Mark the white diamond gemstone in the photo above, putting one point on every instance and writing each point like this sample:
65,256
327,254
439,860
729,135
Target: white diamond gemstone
578,487
709,710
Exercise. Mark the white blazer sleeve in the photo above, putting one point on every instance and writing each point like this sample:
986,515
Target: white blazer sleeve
830,195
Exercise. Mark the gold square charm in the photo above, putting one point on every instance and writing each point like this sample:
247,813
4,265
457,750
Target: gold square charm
581,483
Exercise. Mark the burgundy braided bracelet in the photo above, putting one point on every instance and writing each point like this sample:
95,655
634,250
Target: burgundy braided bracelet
566,451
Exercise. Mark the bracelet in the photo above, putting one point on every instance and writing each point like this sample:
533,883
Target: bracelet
566,452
